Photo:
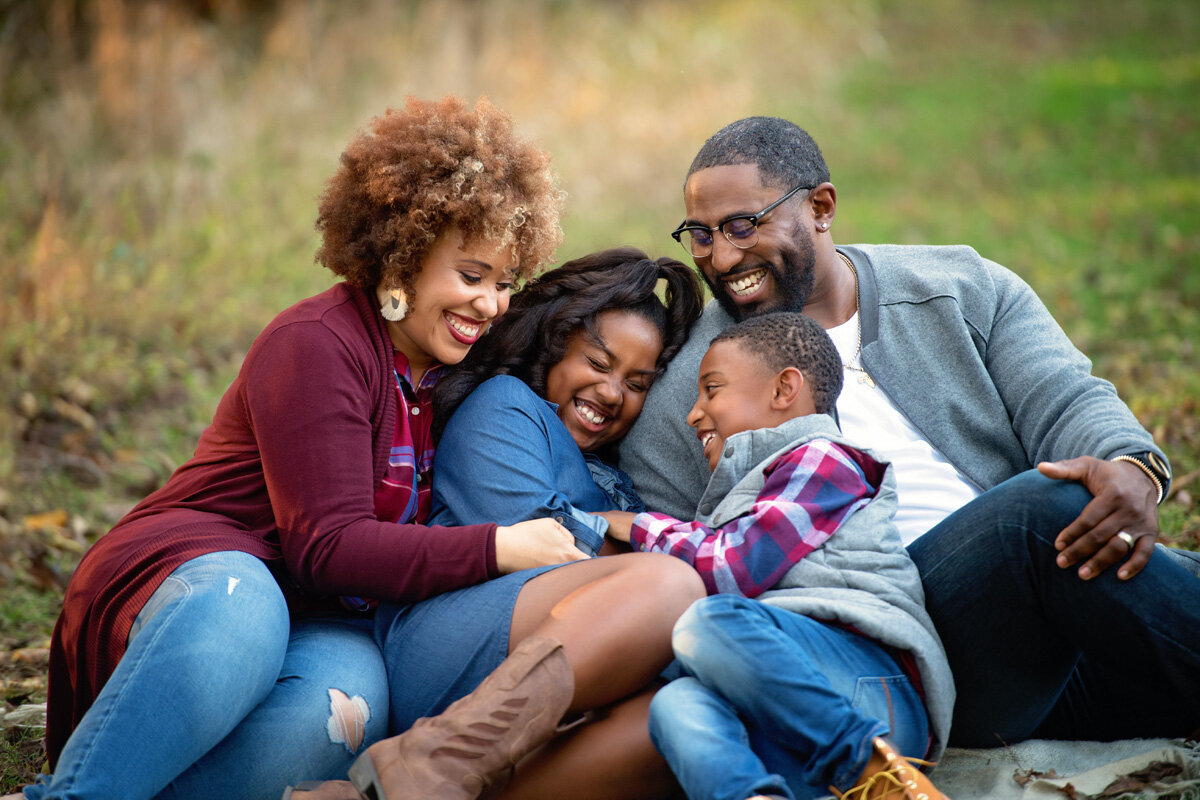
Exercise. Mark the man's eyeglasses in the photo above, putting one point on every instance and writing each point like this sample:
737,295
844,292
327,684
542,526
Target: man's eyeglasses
741,231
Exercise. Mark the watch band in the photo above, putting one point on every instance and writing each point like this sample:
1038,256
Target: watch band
1155,468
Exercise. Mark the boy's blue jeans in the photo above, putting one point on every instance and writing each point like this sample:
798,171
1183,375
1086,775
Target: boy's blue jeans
1037,652
773,702
218,695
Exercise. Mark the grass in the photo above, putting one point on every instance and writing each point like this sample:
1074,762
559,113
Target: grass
1049,138
162,162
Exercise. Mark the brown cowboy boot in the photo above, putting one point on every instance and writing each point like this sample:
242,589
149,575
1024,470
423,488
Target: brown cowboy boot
315,790
889,774
473,745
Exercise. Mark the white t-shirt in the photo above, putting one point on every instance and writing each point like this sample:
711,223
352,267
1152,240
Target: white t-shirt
928,487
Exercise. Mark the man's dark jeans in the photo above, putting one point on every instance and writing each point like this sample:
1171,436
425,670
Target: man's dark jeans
1037,652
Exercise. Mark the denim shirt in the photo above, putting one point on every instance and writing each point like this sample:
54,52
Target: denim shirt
506,457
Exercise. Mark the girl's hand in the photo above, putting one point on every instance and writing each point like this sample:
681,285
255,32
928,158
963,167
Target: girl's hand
534,543
619,523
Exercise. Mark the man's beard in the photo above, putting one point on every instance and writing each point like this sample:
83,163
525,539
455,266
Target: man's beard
793,280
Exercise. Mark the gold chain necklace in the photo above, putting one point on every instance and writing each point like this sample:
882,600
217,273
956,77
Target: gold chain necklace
865,377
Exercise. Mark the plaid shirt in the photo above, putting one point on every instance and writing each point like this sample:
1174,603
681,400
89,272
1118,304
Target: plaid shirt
405,493
809,492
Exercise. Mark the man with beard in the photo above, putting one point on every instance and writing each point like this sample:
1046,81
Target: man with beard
1021,478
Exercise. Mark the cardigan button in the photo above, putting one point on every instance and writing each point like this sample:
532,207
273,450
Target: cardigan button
706,509
729,452
416,410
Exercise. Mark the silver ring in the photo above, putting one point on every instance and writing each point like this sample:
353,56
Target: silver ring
1126,538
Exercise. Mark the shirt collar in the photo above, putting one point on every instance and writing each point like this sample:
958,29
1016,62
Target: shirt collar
404,371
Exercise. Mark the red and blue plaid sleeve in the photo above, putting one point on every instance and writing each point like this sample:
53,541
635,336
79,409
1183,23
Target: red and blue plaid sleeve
809,492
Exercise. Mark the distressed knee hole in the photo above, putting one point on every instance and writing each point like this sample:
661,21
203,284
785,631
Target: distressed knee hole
348,717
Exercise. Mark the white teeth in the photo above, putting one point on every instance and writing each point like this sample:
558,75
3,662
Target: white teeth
588,413
469,331
747,284
706,438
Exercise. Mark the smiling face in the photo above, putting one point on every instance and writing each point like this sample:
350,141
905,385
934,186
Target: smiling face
737,393
777,273
458,292
600,384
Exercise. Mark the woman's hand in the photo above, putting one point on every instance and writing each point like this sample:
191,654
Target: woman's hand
619,523
534,543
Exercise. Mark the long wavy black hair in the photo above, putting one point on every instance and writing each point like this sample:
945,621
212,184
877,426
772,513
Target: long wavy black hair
533,334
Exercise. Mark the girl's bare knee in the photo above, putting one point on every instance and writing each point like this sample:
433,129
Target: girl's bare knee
674,583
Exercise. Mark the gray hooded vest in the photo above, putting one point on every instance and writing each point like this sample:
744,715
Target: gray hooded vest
862,575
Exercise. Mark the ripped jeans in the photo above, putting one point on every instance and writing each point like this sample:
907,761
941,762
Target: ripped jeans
219,695
776,703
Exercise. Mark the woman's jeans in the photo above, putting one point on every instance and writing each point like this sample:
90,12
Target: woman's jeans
1037,652
773,702
217,695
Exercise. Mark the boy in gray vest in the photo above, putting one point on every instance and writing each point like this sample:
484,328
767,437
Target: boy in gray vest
812,665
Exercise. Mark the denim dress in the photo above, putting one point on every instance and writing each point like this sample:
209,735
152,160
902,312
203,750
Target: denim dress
504,457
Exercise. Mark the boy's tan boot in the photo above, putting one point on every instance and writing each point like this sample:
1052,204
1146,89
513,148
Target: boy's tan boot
472,746
891,775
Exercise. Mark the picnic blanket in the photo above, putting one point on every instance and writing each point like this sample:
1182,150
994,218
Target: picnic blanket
1032,770
1061,770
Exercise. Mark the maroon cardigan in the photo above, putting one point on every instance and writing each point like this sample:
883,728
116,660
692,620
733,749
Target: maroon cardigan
287,472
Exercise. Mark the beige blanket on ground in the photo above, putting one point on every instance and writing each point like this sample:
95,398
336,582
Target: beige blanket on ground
1042,770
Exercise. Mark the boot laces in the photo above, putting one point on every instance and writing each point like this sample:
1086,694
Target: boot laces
892,781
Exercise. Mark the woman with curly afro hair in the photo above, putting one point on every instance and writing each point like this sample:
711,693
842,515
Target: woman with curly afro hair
217,642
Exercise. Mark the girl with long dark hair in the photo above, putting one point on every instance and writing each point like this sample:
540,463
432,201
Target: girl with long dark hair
532,417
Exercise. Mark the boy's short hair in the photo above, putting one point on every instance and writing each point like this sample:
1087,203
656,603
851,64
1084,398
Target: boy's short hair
783,339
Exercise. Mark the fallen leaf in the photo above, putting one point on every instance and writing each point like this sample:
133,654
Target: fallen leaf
1141,779
27,405
26,655
1122,785
1071,792
58,541
31,715
1024,777
46,521
73,414
45,575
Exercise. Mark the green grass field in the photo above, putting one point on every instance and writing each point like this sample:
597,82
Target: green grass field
162,163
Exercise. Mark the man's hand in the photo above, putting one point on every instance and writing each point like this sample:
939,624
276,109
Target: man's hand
534,543
619,523
1124,499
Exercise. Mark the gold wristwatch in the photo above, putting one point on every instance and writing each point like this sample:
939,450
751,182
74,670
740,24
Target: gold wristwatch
1155,467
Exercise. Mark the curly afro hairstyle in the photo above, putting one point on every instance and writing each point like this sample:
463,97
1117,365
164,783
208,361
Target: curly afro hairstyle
783,339
534,333
433,166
